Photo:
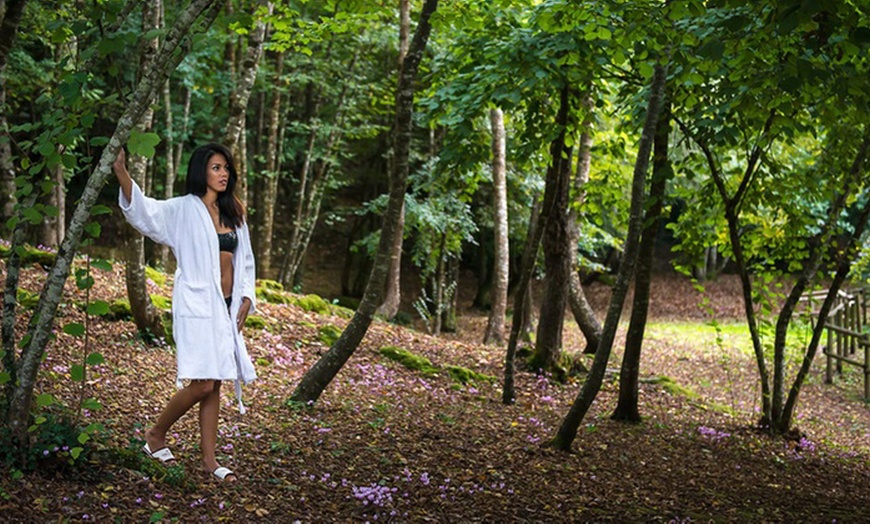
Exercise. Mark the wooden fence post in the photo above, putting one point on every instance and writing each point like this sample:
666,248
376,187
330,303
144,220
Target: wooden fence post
829,363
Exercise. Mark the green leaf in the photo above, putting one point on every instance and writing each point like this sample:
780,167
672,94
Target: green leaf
85,282
75,329
93,229
95,359
98,307
143,143
76,452
92,404
32,215
100,209
99,263
77,372
83,437
45,399
4,378
712,49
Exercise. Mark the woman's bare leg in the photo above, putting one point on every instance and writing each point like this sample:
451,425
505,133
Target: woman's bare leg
178,405
209,411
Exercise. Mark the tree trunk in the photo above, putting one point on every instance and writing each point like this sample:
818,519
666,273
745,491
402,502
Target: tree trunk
270,184
51,232
782,417
244,82
171,172
548,343
313,178
731,204
582,311
8,32
234,137
568,429
145,315
393,290
39,331
627,407
495,326
321,374
10,301
448,316
522,298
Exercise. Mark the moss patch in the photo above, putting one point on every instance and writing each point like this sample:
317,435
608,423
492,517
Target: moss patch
161,302
409,360
271,285
669,385
26,299
328,334
119,310
312,303
272,296
464,375
30,255
256,322
155,276
341,312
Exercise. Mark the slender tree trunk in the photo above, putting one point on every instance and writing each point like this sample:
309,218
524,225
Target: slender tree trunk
234,137
782,419
495,326
438,283
548,343
163,252
448,316
39,331
522,299
8,32
321,374
732,211
10,301
627,407
568,430
270,184
145,315
582,311
307,211
393,291
51,231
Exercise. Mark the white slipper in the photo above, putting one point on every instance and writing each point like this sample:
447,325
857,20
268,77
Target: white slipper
222,472
163,454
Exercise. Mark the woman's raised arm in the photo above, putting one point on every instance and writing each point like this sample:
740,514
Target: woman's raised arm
123,176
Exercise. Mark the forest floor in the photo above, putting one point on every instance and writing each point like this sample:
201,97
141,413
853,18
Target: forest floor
387,444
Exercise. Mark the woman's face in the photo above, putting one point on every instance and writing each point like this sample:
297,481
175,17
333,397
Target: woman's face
218,173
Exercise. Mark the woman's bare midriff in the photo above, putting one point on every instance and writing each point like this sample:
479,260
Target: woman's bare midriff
227,273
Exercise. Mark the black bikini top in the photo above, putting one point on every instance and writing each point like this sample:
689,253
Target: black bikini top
228,241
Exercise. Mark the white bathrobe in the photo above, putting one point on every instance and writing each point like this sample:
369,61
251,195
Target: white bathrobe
208,343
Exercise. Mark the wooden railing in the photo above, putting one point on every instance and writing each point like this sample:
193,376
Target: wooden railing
847,340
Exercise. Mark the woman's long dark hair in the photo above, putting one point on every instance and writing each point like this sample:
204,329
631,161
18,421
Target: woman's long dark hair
232,212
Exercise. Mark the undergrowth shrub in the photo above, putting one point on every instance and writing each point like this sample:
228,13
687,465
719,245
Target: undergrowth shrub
58,442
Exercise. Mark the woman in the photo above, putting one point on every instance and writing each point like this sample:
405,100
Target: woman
213,292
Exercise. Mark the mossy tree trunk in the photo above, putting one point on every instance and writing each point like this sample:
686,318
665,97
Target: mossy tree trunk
548,342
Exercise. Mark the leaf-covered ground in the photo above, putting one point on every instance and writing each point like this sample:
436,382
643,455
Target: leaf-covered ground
388,444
